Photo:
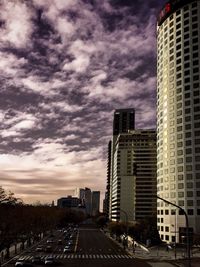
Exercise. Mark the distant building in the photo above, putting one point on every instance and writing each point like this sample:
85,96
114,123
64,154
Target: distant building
88,200
68,202
95,203
80,193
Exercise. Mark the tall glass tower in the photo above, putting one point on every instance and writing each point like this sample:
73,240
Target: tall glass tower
178,118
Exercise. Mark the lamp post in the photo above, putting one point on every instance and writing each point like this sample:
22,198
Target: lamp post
187,227
126,218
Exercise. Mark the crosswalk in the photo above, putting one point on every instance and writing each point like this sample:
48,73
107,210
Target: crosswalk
79,256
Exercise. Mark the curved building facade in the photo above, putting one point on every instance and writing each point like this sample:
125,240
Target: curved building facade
178,118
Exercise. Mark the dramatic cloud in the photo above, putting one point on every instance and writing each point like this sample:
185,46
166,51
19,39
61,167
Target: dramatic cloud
65,67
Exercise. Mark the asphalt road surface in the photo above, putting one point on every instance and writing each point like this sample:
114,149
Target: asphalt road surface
90,247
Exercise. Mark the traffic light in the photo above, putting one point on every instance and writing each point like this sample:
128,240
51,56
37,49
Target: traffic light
134,168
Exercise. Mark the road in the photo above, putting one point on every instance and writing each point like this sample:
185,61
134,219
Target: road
90,248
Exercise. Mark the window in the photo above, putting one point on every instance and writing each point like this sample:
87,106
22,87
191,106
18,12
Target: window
194,19
188,126
189,193
180,152
181,203
179,144
197,167
180,160
187,72
190,185
188,151
180,186
187,95
180,168
190,211
188,159
180,176
190,203
188,135
189,176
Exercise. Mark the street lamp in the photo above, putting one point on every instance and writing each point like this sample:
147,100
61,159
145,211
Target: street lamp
126,218
187,227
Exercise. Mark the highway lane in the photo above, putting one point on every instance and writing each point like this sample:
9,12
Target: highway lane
91,247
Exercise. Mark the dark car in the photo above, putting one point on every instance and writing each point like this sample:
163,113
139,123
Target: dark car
48,248
37,260
49,241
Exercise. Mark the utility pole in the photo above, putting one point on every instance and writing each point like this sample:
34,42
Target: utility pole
187,227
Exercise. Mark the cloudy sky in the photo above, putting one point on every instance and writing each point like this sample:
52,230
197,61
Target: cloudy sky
65,66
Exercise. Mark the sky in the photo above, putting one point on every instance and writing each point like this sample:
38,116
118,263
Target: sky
65,66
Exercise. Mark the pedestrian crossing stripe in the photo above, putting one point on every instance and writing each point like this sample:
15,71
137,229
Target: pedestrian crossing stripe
80,256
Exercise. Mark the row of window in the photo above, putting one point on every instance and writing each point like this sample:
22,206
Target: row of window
164,39
189,212
189,176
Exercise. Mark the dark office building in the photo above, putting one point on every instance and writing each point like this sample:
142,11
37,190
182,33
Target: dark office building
107,194
124,120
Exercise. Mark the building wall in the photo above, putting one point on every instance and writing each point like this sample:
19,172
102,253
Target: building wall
133,192
178,118
88,200
95,202
123,121
68,202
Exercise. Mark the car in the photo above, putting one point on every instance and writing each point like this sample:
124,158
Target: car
22,262
67,249
39,249
59,242
70,242
49,260
48,248
49,241
37,260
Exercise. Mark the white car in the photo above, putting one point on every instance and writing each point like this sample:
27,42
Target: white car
22,263
49,260
67,249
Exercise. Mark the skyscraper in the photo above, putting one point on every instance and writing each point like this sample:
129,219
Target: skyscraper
178,117
124,120
133,186
88,200
107,193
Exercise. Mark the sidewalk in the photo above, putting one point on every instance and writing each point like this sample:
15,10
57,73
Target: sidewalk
158,256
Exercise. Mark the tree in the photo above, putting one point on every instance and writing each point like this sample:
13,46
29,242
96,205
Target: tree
9,198
101,221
